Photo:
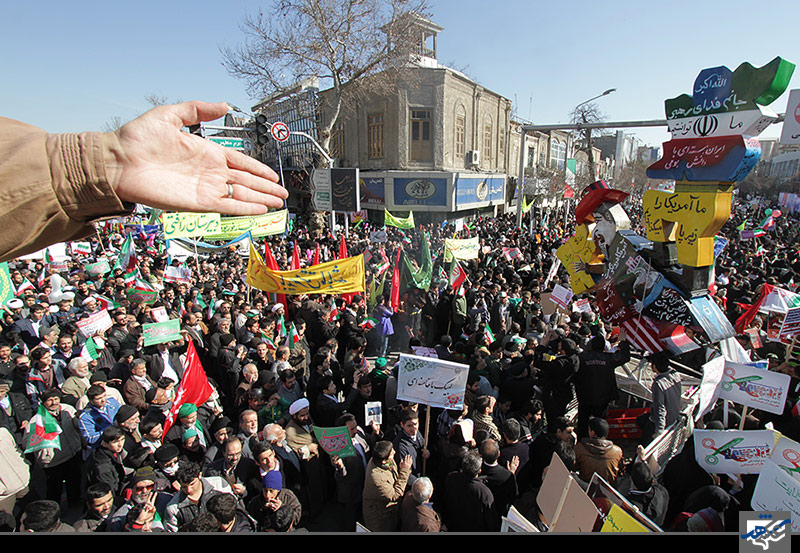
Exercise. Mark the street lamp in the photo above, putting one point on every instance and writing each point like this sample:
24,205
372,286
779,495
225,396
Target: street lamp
588,132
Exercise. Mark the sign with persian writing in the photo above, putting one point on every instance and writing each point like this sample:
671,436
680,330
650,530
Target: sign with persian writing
335,441
733,451
466,248
178,274
95,323
184,225
100,268
787,456
431,382
777,491
334,277
268,224
158,333
754,387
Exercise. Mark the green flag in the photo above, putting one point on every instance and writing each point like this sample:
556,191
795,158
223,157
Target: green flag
420,277
392,221
6,287
741,227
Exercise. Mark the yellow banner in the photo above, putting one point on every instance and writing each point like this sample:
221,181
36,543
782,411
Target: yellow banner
620,521
466,248
258,225
335,277
184,225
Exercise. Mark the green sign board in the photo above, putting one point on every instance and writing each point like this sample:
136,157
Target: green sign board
232,142
158,333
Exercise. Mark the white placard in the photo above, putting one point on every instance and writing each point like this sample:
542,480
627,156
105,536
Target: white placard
756,388
95,323
709,387
561,296
787,456
159,314
777,491
373,412
431,382
178,274
733,451
791,125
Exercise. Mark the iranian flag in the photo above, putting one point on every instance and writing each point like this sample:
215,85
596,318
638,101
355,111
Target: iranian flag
48,258
44,431
488,334
292,337
457,275
106,303
127,257
270,343
194,386
42,278
89,351
26,285
281,327
130,277
368,324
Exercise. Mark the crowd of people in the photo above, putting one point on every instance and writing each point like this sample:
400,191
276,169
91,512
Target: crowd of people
247,459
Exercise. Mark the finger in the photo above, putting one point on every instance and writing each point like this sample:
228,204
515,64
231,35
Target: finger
192,113
267,186
237,160
243,195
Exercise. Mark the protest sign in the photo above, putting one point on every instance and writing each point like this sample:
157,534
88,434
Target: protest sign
334,277
777,491
755,338
373,412
509,253
184,225
754,387
178,274
515,522
709,386
425,352
431,381
335,441
82,248
561,296
378,236
95,323
159,314
733,451
466,248
787,456
790,326
390,220
582,306
268,224
97,269
562,501
158,333
774,324
618,520
58,266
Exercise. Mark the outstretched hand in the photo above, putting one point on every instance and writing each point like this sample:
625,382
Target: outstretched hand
162,167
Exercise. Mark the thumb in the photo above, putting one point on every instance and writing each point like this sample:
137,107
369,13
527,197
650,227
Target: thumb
192,113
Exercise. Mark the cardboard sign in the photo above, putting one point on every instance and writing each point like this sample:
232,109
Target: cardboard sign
618,521
159,314
95,323
562,501
754,387
466,248
335,441
617,514
777,491
431,382
733,451
100,268
582,306
158,333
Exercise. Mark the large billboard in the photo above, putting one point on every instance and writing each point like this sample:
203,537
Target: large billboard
420,191
479,191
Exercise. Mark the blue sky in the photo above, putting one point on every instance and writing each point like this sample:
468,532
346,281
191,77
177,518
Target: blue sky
72,66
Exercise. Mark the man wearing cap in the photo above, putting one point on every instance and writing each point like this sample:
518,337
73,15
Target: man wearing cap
273,496
142,486
167,459
187,418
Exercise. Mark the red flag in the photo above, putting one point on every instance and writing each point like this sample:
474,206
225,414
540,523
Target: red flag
316,255
569,192
272,264
295,265
394,299
343,254
748,316
194,386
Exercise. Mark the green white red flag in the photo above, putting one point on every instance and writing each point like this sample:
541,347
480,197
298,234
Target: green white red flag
44,431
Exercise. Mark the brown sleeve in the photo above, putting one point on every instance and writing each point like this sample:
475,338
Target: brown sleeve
52,186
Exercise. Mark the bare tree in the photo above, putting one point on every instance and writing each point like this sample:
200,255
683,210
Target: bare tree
588,112
113,124
343,42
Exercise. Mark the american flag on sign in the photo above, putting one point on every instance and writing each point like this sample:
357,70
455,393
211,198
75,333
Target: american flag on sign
642,332
675,339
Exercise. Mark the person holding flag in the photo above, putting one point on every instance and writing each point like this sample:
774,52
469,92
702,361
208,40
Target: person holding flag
54,439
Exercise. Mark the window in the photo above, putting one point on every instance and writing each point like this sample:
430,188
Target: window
337,141
487,140
421,135
558,154
501,144
531,156
375,135
461,133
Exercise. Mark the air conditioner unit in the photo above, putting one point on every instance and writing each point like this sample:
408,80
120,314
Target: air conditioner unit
473,157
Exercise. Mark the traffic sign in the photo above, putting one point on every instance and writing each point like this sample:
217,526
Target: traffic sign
280,131
233,142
